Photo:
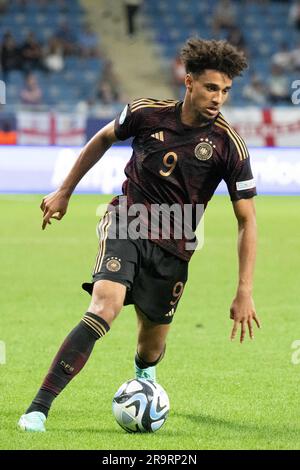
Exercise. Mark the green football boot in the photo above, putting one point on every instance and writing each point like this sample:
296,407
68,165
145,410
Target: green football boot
149,373
33,422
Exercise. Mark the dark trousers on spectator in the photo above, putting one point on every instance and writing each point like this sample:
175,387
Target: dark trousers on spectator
131,11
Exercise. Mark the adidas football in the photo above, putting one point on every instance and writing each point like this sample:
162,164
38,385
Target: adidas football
141,405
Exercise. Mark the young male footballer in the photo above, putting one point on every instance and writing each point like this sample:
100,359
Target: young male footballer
181,152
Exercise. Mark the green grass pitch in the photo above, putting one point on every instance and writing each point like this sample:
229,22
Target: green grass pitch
223,395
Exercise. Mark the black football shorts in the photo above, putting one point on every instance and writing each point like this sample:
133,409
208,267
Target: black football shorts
154,278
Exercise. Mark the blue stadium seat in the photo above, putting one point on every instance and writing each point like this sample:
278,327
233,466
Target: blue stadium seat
264,26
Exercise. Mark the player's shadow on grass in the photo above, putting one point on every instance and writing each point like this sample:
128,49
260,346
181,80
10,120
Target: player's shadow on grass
114,432
202,419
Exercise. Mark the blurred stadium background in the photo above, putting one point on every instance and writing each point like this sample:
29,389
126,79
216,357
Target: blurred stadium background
80,59
70,66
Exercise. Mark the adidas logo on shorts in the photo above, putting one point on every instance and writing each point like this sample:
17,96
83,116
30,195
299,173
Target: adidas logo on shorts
170,313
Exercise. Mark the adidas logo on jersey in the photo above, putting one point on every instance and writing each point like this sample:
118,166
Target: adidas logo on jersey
159,136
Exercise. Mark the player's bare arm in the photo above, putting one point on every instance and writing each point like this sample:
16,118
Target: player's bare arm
242,310
54,205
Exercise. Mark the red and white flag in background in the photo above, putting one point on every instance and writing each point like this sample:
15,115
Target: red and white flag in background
273,127
40,128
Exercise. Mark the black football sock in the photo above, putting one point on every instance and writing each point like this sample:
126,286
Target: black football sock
70,359
142,364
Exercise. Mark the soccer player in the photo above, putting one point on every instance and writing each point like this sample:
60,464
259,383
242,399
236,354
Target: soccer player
181,152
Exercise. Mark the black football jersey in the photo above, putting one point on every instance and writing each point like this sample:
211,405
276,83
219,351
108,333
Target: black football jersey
173,163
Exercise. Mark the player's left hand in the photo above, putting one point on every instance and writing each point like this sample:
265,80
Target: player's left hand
242,312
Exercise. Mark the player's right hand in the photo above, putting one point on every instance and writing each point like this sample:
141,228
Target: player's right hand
54,206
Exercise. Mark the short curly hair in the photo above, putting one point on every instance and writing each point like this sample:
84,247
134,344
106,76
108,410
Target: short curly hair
199,55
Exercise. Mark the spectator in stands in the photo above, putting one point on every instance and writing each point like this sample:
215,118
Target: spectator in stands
8,135
22,4
3,6
107,93
10,55
31,94
294,14
88,42
279,92
236,38
224,16
255,91
53,55
32,54
42,5
295,58
108,88
283,58
178,74
131,10
67,39
64,6
108,75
